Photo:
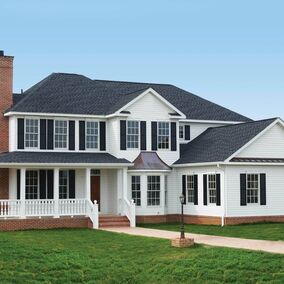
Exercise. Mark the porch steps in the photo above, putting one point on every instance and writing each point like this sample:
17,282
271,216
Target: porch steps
113,221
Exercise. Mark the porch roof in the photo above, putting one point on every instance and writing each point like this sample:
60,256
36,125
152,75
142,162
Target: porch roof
60,158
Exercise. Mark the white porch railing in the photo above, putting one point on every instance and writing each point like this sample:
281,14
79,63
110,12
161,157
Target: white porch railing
10,208
129,211
41,207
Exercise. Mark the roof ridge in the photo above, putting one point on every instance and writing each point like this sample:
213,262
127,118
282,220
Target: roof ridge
131,82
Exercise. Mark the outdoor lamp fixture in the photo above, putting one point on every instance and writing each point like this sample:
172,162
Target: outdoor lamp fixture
181,198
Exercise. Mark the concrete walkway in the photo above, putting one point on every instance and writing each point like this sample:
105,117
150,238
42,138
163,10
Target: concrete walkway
258,245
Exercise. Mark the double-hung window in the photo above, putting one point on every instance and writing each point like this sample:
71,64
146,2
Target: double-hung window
31,133
136,189
60,134
212,189
190,188
252,188
92,135
153,190
63,185
163,135
133,134
32,184
181,132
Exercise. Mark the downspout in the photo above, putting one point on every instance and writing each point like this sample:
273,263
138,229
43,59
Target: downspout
224,196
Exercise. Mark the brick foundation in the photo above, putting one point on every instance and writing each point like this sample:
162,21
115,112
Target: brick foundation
253,219
44,223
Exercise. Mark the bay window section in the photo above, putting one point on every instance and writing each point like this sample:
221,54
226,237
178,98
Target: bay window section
252,188
163,135
60,134
92,135
136,190
31,133
133,134
32,184
63,185
153,190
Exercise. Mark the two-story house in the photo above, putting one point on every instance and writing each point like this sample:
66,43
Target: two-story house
78,152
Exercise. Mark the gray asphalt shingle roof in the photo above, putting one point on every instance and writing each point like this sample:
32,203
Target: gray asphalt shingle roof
77,94
59,158
219,143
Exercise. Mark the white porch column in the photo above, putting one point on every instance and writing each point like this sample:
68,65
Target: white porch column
23,193
56,192
88,184
124,182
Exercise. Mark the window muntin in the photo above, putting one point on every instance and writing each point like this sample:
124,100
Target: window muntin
32,184
60,134
63,185
190,188
181,132
31,133
133,134
212,189
252,188
153,190
136,189
163,135
92,135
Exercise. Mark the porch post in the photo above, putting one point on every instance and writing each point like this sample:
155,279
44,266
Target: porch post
124,182
56,192
88,184
23,193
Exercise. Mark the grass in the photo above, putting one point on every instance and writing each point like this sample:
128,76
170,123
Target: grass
90,256
264,231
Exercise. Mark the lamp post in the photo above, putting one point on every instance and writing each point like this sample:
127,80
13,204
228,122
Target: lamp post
181,198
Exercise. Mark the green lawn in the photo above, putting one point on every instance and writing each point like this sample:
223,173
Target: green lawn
264,231
90,256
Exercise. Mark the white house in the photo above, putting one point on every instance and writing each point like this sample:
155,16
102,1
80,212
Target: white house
77,152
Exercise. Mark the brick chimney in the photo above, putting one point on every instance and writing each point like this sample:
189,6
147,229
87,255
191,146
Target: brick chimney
6,98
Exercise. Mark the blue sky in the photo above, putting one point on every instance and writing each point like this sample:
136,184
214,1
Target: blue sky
230,52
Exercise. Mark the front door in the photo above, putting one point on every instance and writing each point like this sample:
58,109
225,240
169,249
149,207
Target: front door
95,189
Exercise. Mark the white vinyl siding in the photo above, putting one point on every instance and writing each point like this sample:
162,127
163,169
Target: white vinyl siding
31,133
60,134
92,135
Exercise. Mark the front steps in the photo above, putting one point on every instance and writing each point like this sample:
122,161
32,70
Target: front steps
113,221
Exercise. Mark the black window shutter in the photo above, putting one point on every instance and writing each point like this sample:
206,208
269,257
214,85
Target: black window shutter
82,138
42,126
50,185
243,189
50,134
102,135
18,184
72,184
173,136
204,189
21,134
42,184
71,135
262,189
154,135
184,187
187,132
143,137
123,135
195,189
218,189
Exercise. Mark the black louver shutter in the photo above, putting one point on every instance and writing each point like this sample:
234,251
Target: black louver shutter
42,134
50,134
262,189
218,190
102,135
184,188
243,189
154,135
71,135
204,189
42,184
72,184
173,136
18,184
195,189
123,135
82,145
143,137
21,134
50,184
187,132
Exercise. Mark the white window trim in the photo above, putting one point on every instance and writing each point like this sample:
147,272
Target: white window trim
183,130
258,191
67,134
208,197
68,189
139,134
99,146
153,206
137,190
38,134
38,184
187,177
169,148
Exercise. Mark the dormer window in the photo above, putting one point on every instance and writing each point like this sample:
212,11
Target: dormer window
92,135
163,135
60,134
31,133
133,134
